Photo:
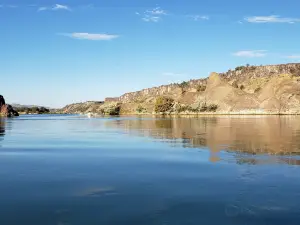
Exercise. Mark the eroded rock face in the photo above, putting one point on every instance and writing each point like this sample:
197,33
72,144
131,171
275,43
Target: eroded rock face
271,89
6,110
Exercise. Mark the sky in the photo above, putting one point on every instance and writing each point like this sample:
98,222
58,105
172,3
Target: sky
54,53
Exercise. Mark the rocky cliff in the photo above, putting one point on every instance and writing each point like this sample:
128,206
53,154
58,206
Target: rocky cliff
272,89
6,110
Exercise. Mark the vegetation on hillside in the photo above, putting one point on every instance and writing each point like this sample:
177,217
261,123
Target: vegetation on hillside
163,104
140,109
201,88
111,109
184,85
33,110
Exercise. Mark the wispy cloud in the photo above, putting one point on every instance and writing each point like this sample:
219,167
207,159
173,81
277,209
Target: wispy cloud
55,8
156,11
9,6
43,8
292,56
199,17
92,37
148,18
271,19
251,53
152,15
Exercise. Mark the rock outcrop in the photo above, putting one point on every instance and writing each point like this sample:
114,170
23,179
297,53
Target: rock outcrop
6,110
272,89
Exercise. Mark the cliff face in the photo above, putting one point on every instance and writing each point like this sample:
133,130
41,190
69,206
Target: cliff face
6,110
164,90
273,89
241,75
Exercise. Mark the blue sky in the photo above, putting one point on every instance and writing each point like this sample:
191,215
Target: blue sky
58,52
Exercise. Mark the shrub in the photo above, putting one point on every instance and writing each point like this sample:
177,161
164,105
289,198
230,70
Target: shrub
208,108
163,104
184,108
110,109
183,86
257,89
242,87
35,110
235,85
212,108
203,108
201,88
140,109
239,68
113,111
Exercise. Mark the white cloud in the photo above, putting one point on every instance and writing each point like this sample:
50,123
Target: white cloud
271,19
92,37
292,57
199,17
251,54
55,8
156,11
58,7
152,15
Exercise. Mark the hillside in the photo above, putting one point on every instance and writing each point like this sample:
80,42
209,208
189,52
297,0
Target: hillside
272,89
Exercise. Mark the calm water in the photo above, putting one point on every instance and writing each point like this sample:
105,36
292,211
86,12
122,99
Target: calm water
72,170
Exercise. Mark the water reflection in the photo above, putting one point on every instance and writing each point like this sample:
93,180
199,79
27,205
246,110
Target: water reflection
276,135
2,129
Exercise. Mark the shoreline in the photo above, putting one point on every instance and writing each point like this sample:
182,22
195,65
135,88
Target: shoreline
185,114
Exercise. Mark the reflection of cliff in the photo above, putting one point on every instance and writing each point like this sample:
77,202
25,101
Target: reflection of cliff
251,134
2,129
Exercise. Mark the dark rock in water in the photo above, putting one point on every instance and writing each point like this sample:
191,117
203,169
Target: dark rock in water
6,110
2,101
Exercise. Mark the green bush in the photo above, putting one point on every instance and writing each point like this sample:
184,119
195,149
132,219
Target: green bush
114,111
140,109
201,88
34,110
110,109
163,104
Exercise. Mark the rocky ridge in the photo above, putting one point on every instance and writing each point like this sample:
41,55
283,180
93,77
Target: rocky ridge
271,89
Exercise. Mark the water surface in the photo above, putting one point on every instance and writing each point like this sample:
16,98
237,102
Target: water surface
73,170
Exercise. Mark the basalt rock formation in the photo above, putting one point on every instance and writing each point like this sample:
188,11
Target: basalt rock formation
6,110
272,89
